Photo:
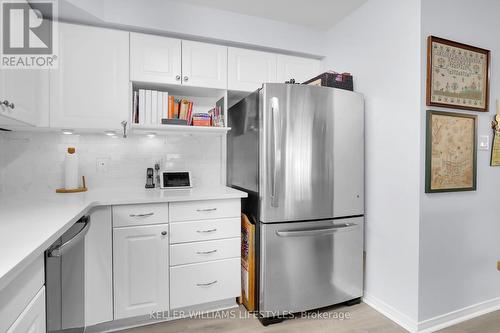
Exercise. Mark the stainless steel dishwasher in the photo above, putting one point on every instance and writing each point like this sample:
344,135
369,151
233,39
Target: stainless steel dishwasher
65,280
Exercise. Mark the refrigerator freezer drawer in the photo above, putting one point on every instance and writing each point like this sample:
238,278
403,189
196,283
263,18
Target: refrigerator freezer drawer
310,265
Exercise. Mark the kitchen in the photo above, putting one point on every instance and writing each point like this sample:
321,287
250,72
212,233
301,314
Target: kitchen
158,134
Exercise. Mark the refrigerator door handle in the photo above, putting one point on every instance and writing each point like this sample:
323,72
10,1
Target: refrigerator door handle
315,232
276,149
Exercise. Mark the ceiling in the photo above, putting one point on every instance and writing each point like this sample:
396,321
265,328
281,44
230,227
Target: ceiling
319,14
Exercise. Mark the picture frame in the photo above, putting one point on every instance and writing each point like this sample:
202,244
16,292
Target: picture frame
458,75
451,152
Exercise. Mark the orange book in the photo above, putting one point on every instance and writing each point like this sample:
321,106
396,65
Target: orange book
170,114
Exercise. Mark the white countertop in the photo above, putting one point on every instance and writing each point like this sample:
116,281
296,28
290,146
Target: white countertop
29,223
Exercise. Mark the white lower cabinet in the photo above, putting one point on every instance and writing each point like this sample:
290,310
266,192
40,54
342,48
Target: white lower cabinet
140,270
159,264
19,294
205,282
99,268
32,319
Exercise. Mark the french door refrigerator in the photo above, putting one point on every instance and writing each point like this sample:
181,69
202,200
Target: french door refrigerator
298,151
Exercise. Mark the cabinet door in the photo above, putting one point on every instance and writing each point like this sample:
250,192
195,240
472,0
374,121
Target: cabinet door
32,319
155,59
300,69
204,65
140,258
99,268
28,90
91,86
248,69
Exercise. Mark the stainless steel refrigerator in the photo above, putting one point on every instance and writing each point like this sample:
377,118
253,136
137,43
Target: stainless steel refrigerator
298,151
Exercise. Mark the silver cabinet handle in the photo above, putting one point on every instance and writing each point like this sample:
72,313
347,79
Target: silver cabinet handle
206,210
275,110
185,78
206,252
142,215
206,284
163,233
317,231
8,104
59,249
205,231
177,77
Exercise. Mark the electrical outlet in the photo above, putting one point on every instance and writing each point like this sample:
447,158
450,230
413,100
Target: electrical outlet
102,165
484,142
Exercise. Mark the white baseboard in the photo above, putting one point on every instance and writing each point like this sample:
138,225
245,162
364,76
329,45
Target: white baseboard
399,318
458,316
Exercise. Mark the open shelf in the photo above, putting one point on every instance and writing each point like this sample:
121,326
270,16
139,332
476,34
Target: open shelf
165,129
181,90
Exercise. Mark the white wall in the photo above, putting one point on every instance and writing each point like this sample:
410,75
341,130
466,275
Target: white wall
460,232
379,44
34,162
196,22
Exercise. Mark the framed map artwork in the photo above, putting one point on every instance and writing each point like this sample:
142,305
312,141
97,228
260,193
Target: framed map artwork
457,75
450,152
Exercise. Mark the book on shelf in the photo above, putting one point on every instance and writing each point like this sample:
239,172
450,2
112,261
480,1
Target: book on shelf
142,106
164,103
149,107
202,119
135,107
170,113
153,107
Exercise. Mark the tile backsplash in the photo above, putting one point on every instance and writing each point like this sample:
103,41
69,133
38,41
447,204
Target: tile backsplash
34,162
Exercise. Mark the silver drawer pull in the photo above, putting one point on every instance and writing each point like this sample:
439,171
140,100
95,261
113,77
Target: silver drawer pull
206,210
205,231
206,284
142,215
206,252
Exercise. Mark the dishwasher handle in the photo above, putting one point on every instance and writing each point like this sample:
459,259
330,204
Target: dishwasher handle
58,250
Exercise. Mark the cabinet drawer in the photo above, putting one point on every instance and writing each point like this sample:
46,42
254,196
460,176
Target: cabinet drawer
142,214
189,253
205,282
206,209
204,230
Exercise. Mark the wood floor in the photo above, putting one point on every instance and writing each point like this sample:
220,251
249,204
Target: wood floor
363,319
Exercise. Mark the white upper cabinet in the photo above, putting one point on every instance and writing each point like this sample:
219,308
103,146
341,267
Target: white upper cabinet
248,69
26,93
204,65
155,59
90,89
300,69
